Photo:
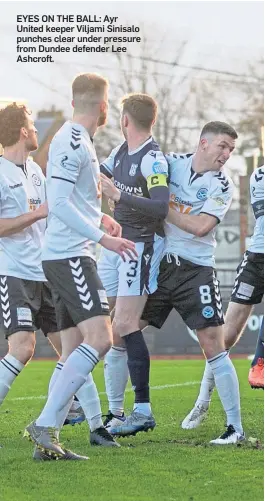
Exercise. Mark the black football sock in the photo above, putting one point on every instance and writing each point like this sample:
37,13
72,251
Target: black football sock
138,364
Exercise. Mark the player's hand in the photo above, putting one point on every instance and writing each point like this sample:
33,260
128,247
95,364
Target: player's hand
109,189
42,211
111,226
121,246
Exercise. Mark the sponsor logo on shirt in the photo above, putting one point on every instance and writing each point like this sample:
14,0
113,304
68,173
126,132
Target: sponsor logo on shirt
174,184
34,203
129,189
159,168
183,206
202,194
15,186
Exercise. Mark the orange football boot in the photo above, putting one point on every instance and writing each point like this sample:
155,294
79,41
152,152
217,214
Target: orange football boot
256,375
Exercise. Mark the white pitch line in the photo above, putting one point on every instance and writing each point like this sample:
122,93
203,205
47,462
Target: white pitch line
163,387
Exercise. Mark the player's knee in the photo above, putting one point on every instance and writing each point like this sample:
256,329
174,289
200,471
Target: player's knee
211,341
22,346
122,326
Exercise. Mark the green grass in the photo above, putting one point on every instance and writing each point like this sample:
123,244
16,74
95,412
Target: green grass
166,465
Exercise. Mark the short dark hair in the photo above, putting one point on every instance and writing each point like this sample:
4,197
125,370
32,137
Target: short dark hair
142,108
218,128
87,89
12,118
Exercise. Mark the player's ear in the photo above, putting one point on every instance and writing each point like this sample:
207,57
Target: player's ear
72,103
103,106
24,133
203,143
125,120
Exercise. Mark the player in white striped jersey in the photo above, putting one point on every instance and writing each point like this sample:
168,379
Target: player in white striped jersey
25,299
247,291
69,261
201,194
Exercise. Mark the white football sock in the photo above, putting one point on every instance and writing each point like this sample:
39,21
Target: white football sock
60,418
75,404
143,408
55,375
73,374
116,375
89,400
10,368
228,388
207,387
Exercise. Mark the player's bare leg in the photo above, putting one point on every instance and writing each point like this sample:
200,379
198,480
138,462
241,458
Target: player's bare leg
235,321
21,349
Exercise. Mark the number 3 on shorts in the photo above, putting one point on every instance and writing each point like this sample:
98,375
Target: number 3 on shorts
205,293
133,268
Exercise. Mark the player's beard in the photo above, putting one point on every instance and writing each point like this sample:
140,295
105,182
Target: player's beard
102,119
32,146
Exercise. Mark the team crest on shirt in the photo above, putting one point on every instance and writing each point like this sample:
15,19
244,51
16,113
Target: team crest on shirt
36,180
133,169
202,194
208,312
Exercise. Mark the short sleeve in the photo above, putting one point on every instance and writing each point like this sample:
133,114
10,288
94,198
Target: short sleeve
219,198
154,162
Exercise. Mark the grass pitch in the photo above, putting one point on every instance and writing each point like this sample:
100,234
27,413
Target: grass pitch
169,464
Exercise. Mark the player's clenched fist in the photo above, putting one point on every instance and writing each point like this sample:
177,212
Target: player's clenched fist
42,210
109,189
111,226
121,246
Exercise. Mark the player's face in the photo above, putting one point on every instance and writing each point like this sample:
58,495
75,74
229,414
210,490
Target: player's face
102,120
218,150
31,135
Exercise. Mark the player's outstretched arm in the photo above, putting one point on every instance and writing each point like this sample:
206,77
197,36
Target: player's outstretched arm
157,205
10,226
121,246
199,225
213,210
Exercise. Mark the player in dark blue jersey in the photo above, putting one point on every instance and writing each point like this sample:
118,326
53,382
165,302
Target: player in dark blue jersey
140,192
